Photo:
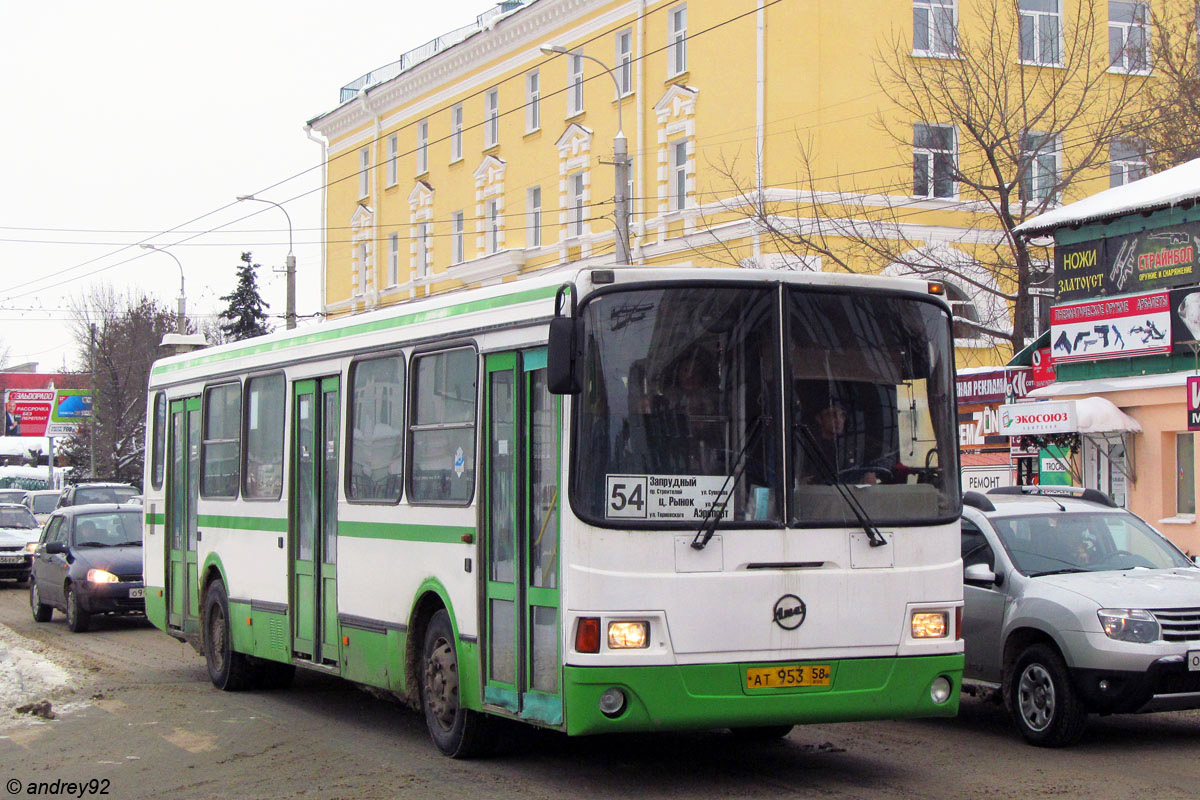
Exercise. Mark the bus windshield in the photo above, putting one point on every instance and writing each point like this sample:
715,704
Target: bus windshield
682,408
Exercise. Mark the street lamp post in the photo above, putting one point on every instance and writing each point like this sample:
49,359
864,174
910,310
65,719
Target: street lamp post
289,315
620,156
181,317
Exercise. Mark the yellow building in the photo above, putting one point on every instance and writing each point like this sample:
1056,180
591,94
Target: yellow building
479,157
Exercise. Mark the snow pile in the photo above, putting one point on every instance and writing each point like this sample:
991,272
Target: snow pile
25,676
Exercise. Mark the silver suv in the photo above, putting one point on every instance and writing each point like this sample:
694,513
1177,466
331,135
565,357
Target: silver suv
1074,606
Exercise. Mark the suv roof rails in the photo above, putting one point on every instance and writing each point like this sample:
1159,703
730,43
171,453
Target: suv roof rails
978,500
1075,492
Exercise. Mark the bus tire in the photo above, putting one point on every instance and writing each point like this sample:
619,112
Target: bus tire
456,731
762,733
229,671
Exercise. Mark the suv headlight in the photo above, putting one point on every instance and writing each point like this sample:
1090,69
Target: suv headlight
1129,624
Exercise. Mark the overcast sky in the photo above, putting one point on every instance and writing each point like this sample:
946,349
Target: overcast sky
128,118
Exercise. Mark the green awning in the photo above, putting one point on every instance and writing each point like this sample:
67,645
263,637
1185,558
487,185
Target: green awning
1025,357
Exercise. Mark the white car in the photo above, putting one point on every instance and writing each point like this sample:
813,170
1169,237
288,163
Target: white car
19,532
1075,607
41,502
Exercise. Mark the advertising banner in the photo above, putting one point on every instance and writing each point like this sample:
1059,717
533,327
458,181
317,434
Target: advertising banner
45,412
1154,259
982,387
1052,467
1042,373
1193,403
1024,419
1114,327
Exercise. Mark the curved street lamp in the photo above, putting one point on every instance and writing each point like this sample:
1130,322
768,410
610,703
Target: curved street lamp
181,316
289,315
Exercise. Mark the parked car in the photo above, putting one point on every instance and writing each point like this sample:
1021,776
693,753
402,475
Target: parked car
11,495
18,538
1074,606
89,561
99,492
41,502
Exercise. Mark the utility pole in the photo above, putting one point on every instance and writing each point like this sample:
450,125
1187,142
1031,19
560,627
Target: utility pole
92,418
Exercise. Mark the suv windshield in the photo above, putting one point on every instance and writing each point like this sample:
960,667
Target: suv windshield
108,530
103,494
684,387
1068,542
17,518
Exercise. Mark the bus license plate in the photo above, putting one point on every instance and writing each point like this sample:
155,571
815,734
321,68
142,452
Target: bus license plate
787,677
12,559
135,593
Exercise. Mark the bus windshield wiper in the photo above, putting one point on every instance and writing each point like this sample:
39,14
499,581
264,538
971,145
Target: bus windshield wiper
716,509
813,451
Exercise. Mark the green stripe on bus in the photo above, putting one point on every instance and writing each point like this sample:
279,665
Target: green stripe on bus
442,534
271,524
366,327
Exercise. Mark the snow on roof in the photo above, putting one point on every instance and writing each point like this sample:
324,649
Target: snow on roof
1161,190
21,445
1099,415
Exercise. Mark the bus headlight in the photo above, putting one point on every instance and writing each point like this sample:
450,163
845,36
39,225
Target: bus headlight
929,625
628,635
1129,624
939,691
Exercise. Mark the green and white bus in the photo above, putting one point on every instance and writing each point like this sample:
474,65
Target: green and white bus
597,500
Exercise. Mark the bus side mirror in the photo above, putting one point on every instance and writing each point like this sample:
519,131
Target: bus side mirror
562,360
563,354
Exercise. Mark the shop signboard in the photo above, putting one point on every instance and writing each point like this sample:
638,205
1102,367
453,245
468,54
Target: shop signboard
984,479
982,387
1042,373
1193,402
1156,259
1113,327
1025,419
1052,467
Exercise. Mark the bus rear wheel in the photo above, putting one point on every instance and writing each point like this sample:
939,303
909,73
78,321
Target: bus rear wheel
227,670
456,731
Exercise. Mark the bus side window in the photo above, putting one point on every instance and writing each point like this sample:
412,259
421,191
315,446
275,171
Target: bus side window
442,427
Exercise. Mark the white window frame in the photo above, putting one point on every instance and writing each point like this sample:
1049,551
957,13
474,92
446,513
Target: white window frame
1134,61
491,131
533,206
424,248
1031,13
394,259
677,49
533,101
457,238
393,170
577,185
574,85
624,62
456,128
940,21
679,159
1128,166
929,155
364,173
1036,169
492,231
423,147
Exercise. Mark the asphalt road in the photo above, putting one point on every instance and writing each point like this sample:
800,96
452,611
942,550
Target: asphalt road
139,718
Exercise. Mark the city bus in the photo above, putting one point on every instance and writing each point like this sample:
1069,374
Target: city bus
596,500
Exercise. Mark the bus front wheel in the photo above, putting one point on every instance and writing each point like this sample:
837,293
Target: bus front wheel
456,731
227,670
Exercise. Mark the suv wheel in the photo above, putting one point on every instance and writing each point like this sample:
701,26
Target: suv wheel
1041,699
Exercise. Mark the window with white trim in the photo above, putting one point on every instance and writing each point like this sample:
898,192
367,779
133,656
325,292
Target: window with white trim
394,259
934,29
1129,35
624,69
576,217
678,175
364,172
533,102
424,248
1041,31
423,147
456,127
1039,181
393,170
457,238
574,85
933,160
533,205
677,51
492,128
1126,162
492,241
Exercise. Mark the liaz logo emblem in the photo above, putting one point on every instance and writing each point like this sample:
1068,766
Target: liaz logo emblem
790,612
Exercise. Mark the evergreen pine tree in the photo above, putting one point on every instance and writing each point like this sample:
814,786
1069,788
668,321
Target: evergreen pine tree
245,317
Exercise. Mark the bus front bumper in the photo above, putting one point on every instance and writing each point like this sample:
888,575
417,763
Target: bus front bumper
666,698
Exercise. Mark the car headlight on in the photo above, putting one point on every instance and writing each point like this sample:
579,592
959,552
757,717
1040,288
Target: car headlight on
628,635
31,547
929,625
1129,624
101,576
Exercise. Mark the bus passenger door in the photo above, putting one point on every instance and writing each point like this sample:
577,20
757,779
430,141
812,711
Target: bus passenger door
183,490
315,446
521,500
